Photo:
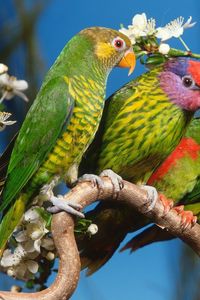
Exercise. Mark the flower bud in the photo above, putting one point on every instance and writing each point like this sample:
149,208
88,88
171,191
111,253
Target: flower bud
164,48
92,229
11,272
50,256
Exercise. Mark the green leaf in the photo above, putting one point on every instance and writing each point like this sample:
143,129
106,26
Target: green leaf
155,59
46,216
82,226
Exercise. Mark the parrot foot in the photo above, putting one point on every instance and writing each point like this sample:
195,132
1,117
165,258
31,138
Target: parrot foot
116,180
152,195
167,203
187,217
60,204
94,179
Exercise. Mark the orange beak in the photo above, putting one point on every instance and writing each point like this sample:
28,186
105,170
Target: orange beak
128,61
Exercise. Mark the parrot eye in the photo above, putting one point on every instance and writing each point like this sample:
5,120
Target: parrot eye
188,81
119,44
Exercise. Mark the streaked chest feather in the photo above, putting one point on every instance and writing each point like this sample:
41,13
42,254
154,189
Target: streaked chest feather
147,128
89,102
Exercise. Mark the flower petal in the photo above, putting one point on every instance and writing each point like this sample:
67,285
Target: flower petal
178,32
163,33
3,68
32,255
7,258
20,85
32,266
188,23
31,215
37,234
48,243
29,246
4,79
37,245
20,270
21,95
128,33
7,123
21,236
140,21
9,95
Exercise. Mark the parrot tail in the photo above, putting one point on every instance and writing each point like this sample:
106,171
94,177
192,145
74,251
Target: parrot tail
96,254
148,236
97,249
114,222
10,220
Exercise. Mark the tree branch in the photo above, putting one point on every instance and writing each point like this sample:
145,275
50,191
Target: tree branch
63,234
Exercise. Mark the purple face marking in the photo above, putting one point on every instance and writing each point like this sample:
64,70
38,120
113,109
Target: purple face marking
179,85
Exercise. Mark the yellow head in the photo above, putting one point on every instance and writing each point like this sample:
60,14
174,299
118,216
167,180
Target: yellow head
111,47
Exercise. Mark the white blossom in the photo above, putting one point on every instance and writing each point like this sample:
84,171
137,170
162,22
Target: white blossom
3,68
164,48
3,120
10,86
140,27
35,230
19,264
129,34
31,236
174,29
92,229
150,26
24,270
31,215
12,259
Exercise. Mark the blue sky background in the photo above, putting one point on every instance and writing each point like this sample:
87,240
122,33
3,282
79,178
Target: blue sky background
151,272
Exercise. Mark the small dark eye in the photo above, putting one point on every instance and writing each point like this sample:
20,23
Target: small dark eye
188,81
118,43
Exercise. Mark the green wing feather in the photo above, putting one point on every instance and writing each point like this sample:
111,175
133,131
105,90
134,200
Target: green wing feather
44,123
194,195
4,162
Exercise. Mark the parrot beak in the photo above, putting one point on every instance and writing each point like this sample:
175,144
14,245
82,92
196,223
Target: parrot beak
128,61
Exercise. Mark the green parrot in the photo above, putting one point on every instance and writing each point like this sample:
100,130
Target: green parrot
142,124
178,178
62,122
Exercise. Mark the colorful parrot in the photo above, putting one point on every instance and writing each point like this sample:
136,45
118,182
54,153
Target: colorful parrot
143,122
178,178
62,122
